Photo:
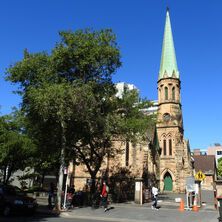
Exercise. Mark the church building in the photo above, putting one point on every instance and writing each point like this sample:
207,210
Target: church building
166,156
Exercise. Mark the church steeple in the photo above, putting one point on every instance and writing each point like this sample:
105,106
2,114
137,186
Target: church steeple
168,66
174,162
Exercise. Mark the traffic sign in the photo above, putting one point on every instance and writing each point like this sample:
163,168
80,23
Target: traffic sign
200,175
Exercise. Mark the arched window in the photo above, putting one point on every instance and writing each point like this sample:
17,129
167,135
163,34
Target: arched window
164,147
170,147
173,93
166,93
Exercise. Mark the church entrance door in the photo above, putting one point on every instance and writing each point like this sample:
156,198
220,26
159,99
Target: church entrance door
168,182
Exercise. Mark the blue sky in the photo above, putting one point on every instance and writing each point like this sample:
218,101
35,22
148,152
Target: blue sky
139,26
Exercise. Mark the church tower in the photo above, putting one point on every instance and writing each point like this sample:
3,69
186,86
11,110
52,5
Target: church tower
175,162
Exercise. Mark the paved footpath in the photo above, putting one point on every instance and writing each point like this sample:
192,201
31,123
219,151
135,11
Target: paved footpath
136,213
131,212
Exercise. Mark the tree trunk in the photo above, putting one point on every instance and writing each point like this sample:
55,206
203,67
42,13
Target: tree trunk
61,169
8,173
93,185
60,183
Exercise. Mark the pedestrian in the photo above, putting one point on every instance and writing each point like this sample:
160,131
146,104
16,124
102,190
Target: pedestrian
72,189
104,195
72,195
96,197
51,195
154,197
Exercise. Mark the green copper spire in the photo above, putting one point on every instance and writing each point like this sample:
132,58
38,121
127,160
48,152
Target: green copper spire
168,66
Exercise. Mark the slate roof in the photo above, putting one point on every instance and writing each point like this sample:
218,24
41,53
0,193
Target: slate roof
205,163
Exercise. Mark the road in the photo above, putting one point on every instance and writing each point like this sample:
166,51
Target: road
40,219
121,214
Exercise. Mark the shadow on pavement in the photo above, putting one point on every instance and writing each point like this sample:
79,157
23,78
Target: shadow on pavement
42,214
110,208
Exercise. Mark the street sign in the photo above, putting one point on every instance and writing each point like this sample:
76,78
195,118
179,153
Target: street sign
200,175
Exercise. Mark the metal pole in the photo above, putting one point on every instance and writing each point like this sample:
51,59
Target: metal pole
141,193
65,194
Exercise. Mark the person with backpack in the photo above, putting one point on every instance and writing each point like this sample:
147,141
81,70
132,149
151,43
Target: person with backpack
104,195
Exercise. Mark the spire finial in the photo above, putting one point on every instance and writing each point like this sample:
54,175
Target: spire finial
168,9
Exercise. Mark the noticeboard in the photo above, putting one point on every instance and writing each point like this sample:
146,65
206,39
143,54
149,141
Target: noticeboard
190,184
138,186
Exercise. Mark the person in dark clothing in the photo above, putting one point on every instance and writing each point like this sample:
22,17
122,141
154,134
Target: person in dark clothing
71,193
51,195
96,197
72,189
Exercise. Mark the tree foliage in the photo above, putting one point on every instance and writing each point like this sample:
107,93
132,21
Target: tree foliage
56,87
133,123
16,148
70,100
219,167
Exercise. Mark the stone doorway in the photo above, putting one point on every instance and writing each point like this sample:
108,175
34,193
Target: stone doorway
168,182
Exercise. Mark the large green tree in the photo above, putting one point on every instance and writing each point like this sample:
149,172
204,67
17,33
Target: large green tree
56,87
70,103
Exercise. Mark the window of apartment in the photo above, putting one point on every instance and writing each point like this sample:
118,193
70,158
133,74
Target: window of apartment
219,152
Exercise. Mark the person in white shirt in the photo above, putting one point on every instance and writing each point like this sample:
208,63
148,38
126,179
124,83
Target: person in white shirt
154,197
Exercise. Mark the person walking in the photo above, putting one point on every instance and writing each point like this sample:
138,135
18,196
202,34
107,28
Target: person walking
154,197
96,197
51,195
104,195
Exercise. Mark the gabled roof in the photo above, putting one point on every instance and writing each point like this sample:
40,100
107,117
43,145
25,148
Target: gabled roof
168,65
205,163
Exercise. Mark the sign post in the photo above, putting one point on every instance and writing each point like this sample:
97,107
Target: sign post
199,176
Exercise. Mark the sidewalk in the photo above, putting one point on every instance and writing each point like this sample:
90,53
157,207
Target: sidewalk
132,212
